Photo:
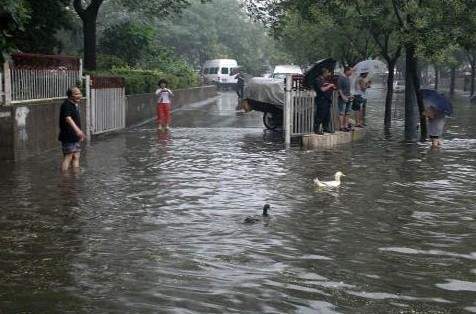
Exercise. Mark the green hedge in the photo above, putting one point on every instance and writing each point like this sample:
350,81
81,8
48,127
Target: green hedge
139,81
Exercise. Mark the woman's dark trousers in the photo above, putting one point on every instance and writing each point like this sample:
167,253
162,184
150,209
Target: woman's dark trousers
322,116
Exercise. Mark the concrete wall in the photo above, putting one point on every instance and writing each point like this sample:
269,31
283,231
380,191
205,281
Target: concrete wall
330,140
141,108
6,133
31,128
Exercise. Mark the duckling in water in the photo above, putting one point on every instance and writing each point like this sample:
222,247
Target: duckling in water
330,184
255,219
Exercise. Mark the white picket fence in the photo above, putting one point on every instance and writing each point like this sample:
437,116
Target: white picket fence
107,100
31,84
299,108
30,77
302,108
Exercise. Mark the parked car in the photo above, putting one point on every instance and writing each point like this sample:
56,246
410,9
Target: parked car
280,71
267,94
399,86
220,72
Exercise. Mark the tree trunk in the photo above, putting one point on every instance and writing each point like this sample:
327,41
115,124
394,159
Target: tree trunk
452,80
89,17
415,73
473,74
389,97
410,99
89,30
437,77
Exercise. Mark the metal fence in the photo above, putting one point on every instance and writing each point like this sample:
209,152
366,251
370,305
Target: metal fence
108,104
302,108
298,108
30,77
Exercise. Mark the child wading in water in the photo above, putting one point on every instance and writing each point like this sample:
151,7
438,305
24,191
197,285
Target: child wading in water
164,102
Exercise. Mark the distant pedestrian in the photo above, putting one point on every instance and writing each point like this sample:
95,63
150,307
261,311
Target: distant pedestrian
70,134
324,90
436,125
164,103
360,98
345,99
240,85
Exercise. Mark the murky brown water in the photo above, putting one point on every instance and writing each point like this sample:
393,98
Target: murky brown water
153,223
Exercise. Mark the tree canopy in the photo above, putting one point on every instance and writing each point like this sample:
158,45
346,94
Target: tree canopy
13,16
219,29
46,18
88,12
425,30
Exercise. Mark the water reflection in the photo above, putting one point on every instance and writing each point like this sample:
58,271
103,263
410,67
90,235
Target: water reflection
153,223
39,238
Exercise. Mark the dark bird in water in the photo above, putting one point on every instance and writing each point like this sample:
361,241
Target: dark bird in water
254,219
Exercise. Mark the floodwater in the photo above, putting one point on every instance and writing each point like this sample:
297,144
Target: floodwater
153,222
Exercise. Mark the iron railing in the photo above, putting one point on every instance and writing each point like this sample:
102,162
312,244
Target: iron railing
32,77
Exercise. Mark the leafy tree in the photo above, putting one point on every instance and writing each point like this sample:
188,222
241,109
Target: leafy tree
319,35
128,41
346,30
13,15
379,21
88,12
426,30
471,57
46,18
219,29
467,41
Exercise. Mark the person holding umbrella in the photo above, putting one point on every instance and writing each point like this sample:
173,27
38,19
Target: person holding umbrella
318,77
437,108
324,91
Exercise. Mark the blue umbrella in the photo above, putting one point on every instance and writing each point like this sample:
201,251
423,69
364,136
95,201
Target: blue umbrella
431,98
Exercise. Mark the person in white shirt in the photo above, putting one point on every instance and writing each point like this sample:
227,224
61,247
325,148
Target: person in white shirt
360,98
164,103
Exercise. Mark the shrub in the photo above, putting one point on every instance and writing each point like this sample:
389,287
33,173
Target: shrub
139,81
105,62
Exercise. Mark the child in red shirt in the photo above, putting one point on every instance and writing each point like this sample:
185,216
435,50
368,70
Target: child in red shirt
164,102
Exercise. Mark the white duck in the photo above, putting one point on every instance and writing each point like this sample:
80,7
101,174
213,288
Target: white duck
330,184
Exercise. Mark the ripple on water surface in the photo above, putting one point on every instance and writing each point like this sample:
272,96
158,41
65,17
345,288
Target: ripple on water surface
157,225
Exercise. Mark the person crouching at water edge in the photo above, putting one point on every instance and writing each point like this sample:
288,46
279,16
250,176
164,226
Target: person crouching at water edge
71,135
164,103
436,125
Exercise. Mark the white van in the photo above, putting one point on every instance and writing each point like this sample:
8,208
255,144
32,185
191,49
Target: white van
280,71
220,71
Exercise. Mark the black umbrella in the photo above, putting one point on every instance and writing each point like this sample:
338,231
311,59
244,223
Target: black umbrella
316,69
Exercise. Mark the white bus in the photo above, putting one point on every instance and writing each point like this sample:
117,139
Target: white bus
220,72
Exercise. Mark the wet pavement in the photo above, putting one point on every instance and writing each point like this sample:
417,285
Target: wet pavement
153,222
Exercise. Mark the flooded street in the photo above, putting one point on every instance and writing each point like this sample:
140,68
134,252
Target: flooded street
153,222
